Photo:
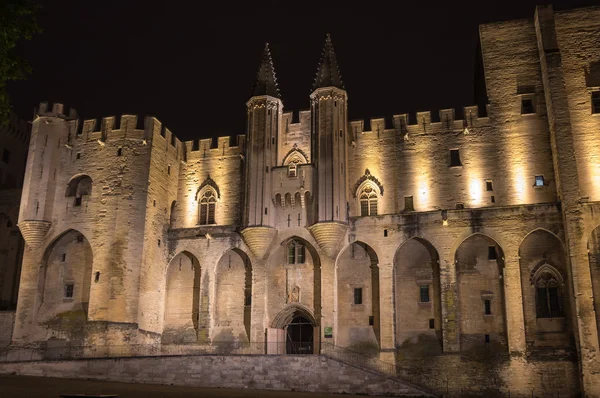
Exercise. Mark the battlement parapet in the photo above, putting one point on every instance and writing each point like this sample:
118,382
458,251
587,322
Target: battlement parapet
289,123
55,110
215,147
423,123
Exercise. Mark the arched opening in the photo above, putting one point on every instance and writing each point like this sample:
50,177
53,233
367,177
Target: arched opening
357,271
297,331
546,303
594,259
417,298
65,283
293,283
233,297
11,256
182,300
479,272
79,188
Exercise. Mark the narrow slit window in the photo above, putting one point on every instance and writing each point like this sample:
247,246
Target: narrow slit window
487,304
120,152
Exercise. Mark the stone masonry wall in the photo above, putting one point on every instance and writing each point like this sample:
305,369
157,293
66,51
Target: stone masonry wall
299,373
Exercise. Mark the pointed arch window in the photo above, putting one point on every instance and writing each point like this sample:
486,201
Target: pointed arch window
208,204
368,201
296,252
549,298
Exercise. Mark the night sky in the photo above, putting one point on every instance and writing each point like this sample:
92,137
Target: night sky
193,67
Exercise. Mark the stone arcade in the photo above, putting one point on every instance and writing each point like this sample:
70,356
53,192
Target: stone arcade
420,238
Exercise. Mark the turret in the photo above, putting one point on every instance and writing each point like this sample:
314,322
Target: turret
264,119
329,148
329,135
51,130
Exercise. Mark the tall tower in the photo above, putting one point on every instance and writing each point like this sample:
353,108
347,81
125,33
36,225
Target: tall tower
264,119
329,146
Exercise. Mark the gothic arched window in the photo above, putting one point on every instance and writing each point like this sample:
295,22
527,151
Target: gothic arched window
548,295
296,252
208,204
368,201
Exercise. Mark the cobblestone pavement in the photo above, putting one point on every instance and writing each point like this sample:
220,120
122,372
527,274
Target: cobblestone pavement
45,387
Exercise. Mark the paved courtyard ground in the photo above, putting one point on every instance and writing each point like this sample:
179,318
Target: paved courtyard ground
45,387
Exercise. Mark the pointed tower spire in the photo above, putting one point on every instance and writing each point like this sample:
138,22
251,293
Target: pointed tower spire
266,82
328,73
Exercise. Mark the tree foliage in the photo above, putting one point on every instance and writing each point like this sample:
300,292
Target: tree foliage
17,22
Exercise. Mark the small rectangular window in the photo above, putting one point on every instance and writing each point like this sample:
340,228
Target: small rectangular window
64,257
120,152
431,323
487,338
424,293
488,185
97,277
385,233
596,102
169,170
527,106
492,254
358,295
69,290
539,181
455,158
273,140
408,203
487,307
371,320
77,201
493,199
266,211
78,156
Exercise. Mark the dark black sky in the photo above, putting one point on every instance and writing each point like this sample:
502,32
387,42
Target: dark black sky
192,64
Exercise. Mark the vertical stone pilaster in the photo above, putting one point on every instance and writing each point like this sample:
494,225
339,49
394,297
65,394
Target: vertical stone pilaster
386,307
28,294
258,321
328,309
450,313
513,301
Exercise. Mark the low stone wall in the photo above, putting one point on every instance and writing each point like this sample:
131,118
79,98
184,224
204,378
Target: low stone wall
311,373
7,321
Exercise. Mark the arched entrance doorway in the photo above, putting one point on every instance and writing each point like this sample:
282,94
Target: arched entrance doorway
299,336
293,331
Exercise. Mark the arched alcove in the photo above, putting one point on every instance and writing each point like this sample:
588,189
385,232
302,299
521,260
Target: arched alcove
182,300
417,297
233,297
80,189
65,280
479,264
546,296
357,269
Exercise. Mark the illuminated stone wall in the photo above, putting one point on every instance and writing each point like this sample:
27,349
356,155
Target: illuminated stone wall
473,229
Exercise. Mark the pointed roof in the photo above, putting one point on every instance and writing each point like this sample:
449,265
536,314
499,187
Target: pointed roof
328,73
266,82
